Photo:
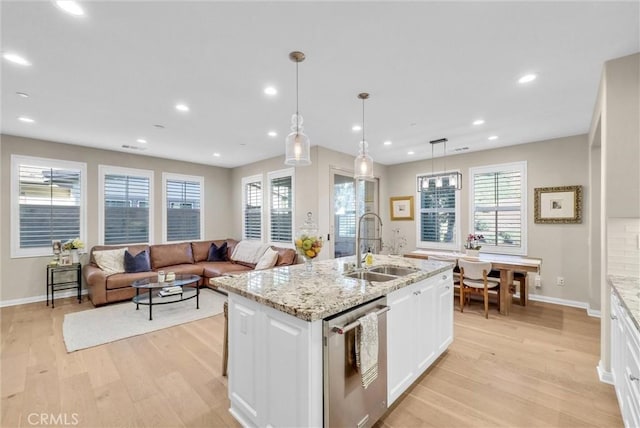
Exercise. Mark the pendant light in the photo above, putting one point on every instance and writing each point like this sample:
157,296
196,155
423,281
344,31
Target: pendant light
363,167
297,144
447,180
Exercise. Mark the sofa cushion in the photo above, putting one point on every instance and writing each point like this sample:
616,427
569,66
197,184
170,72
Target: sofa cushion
124,280
268,260
286,256
138,263
110,261
170,254
213,269
187,268
248,252
217,254
133,249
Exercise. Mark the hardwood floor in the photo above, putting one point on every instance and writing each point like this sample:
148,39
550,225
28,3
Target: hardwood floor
536,367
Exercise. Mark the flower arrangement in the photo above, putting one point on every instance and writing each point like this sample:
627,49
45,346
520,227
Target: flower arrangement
73,244
473,242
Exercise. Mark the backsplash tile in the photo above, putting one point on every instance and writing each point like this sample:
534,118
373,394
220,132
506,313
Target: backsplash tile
623,255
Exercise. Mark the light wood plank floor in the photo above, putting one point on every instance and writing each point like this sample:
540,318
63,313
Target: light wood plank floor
536,367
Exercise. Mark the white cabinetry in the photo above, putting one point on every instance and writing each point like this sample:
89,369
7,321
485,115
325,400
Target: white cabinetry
275,366
419,329
625,362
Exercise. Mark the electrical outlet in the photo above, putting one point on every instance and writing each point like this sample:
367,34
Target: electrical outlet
538,281
560,281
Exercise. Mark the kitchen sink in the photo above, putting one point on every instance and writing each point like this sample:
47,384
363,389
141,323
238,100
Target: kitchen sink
370,276
394,270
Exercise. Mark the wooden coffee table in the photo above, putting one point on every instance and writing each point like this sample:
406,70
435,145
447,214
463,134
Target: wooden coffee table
152,297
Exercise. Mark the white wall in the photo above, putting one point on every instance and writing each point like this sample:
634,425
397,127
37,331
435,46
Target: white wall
558,162
24,278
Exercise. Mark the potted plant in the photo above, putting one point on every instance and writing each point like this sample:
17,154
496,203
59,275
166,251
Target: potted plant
73,245
472,245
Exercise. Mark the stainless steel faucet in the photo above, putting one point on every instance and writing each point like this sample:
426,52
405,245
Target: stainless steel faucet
358,238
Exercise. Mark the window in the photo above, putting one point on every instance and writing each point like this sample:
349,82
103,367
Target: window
498,207
281,206
47,202
252,207
182,216
439,214
125,216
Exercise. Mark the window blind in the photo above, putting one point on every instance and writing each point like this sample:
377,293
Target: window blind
438,214
281,221
497,207
253,210
49,205
183,210
126,209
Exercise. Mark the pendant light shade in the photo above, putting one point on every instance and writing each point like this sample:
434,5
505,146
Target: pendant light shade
363,166
297,143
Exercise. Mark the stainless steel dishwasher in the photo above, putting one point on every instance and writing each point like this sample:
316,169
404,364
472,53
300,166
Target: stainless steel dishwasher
346,402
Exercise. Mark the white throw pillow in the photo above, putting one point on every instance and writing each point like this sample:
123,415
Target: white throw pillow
268,259
249,251
110,261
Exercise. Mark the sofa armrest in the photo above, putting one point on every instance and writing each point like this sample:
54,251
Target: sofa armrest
96,281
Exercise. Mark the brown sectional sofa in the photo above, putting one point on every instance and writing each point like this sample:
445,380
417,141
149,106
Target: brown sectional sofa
181,258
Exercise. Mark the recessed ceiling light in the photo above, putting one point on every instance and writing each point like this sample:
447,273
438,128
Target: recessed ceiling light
141,141
25,119
270,90
493,137
22,94
527,78
182,107
387,143
356,128
478,122
272,134
71,7
217,155
411,152
16,59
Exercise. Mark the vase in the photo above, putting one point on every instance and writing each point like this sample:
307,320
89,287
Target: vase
75,257
308,244
473,253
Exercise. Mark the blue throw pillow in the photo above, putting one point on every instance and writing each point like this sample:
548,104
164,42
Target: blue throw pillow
137,263
217,254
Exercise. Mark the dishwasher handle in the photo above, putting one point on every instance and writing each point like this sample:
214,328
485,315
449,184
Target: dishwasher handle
351,326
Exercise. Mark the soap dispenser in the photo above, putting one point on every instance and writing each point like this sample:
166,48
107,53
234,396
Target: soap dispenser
368,260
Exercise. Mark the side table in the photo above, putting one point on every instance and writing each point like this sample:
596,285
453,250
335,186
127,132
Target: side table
55,283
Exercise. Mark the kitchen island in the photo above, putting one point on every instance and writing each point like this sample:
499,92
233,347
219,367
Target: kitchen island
276,332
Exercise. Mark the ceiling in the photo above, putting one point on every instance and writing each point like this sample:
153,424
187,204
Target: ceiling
432,68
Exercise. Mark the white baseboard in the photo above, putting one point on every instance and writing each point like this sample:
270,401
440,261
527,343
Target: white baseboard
564,302
41,298
603,375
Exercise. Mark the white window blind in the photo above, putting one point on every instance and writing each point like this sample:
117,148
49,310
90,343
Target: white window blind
126,206
252,207
438,210
48,197
498,207
281,207
183,201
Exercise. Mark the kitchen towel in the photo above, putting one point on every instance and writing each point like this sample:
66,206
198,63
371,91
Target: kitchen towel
367,348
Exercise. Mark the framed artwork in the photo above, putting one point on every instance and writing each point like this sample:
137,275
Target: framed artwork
559,205
65,260
56,245
401,207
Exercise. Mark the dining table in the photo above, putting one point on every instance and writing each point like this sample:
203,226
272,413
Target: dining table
506,264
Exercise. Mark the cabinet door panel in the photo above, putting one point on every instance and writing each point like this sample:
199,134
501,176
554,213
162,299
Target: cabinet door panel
242,346
444,330
400,342
425,328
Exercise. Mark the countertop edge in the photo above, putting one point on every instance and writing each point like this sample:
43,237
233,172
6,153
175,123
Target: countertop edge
617,283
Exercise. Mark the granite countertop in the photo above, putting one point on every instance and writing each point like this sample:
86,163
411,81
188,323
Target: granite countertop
327,291
628,289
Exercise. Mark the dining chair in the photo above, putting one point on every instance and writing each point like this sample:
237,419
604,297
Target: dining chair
474,279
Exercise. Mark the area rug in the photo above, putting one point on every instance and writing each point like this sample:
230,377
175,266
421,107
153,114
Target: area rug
118,321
